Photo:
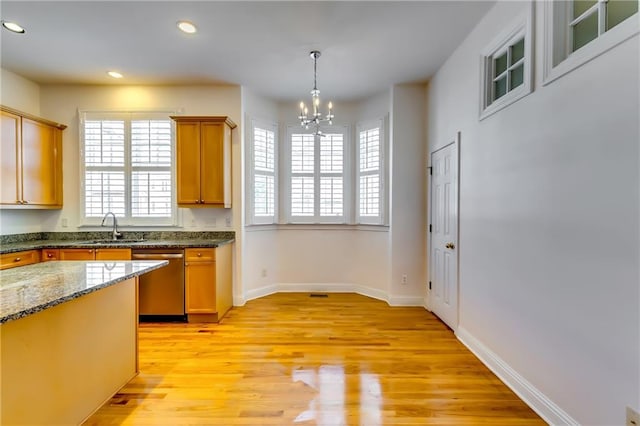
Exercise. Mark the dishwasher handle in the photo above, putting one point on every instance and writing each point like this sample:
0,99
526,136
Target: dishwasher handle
158,256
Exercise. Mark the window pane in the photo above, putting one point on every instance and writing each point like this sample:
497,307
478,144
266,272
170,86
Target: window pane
619,10
302,201
585,31
104,143
264,195
370,195
499,88
151,143
264,149
331,153
517,52
302,147
517,76
331,196
151,194
104,192
500,64
581,6
370,150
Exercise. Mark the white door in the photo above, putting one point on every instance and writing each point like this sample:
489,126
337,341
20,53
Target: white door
443,263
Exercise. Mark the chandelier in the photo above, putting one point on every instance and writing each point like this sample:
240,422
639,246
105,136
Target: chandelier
316,117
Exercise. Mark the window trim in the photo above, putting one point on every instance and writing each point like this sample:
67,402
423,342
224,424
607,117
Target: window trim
252,219
126,222
558,60
521,27
381,219
285,165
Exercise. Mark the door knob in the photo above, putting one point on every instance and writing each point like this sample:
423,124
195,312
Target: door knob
450,246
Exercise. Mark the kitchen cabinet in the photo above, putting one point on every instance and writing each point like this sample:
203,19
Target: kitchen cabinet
31,155
50,254
95,254
21,258
208,286
203,161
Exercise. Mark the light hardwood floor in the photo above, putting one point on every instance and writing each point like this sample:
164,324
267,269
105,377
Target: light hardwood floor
290,359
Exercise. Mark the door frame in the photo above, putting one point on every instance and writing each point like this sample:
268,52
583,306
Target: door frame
428,301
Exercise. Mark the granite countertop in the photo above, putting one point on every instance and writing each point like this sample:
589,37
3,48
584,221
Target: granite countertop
34,288
101,240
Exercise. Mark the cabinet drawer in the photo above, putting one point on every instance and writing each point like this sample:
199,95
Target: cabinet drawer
50,254
200,255
22,258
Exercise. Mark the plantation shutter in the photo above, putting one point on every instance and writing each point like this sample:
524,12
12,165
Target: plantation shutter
369,175
264,172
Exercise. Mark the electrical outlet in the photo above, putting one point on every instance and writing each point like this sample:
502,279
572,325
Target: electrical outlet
404,278
227,221
65,222
633,417
264,273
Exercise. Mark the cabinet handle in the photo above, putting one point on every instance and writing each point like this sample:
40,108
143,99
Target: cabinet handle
49,255
199,254
17,259
201,201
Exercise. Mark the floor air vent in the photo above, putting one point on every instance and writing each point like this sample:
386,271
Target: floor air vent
318,295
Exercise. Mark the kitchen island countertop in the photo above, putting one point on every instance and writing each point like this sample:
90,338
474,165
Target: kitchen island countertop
34,288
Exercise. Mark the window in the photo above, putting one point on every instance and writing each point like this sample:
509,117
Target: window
262,169
578,31
506,68
370,176
127,168
316,171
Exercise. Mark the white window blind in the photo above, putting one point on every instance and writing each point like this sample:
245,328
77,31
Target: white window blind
316,191
128,168
370,195
264,152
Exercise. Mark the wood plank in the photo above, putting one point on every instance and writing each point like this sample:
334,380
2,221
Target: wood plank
289,358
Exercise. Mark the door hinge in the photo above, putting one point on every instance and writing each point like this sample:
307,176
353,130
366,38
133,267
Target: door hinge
429,285
430,170
429,227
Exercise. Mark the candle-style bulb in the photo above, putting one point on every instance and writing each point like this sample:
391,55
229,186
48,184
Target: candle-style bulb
330,105
301,106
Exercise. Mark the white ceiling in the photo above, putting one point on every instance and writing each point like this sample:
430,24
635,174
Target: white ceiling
366,46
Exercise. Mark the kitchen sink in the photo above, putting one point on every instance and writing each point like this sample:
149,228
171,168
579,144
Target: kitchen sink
110,241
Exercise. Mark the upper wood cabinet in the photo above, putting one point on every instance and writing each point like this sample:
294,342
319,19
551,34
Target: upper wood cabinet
31,155
203,161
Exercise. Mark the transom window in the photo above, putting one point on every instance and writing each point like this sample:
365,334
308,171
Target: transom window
507,65
127,168
580,30
591,18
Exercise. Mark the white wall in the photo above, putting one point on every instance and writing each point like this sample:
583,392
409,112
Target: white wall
62,102
549,221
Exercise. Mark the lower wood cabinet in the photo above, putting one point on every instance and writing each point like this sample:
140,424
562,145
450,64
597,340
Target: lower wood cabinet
94,254
208,287
49,254
21,258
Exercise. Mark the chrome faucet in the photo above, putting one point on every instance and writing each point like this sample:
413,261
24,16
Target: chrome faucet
114,232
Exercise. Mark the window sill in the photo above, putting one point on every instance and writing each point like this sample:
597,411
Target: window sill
317,227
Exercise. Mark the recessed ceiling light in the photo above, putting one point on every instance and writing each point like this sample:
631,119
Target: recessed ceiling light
187,27
12,26
115,74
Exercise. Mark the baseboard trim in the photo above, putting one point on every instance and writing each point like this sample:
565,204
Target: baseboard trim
532,396
333,288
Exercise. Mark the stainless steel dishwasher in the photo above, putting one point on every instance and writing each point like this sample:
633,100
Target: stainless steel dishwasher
161,292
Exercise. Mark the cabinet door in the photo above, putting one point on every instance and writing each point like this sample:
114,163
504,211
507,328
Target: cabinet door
200,281
212,163
50,254
9,156
40,169
188,162
113,254
76,254
22,258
